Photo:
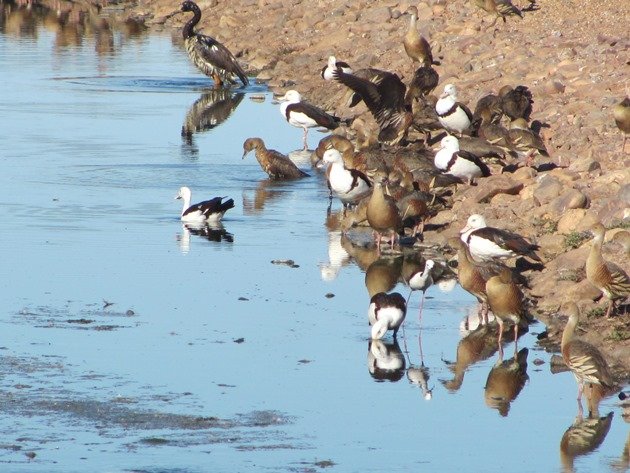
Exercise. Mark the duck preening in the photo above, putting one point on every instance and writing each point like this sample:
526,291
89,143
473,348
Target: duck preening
303,115
274,163
207,54
207,211
386,312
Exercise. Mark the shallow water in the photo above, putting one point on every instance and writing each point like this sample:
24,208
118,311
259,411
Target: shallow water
210,357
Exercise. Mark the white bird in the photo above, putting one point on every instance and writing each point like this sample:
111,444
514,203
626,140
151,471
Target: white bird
386,312
333,64
304,115
487,243
458,163
453,115
207,211
349,185
421,281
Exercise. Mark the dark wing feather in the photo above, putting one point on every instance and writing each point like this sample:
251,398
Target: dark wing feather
466,110
317,114
356,175
508,241
214,52
281,166
485,170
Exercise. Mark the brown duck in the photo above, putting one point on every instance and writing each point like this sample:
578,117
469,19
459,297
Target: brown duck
604,275
416,46
383,215
274,163
621,113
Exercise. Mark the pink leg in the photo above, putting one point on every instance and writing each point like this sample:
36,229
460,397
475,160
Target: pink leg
421,306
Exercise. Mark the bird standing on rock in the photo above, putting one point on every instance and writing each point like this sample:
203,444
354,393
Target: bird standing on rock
453,115
304,115
583,359
487,243
605,275
274,163
416,46
621,113
210,56
464,165
500,8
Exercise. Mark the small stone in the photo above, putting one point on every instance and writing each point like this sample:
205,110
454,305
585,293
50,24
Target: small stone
548,189
329,295
569,221
572,199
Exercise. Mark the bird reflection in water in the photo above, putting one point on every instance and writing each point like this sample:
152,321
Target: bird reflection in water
266,191
480,344
418,374
582,438
210,110
505,381
385,360
215,233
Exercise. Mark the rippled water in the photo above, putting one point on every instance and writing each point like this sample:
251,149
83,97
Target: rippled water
210,357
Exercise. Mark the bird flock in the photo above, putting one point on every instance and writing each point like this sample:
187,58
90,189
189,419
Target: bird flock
393,185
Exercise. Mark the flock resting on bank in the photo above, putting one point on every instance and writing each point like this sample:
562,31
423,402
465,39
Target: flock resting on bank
386,186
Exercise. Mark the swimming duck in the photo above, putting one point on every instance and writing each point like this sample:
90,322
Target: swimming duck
583,359
349,185
486,242
210,56
274,163
386,102
458,163
333,64
207,211
416,46
303,115
386,312
453,115
621,114
605,275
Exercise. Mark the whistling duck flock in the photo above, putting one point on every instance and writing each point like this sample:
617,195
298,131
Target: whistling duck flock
393,185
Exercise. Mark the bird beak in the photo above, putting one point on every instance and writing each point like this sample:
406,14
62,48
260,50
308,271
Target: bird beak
178,196
465,229
244,154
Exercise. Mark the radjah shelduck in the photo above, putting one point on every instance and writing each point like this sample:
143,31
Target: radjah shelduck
386,312
453,115
209,55
606,276
583,359
349,185
303,115
327,71
210,211
487,243
274,163
451,160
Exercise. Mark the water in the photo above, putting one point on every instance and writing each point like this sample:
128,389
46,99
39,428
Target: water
211,358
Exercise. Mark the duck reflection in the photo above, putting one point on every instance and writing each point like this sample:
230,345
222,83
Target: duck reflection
211,109
583,437
383,274
215,233
505,381
266,191
480,344
385,360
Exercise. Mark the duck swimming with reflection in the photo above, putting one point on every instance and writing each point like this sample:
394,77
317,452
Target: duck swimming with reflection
207,211
208,54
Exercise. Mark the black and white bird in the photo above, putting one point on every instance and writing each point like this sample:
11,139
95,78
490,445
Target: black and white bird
210,56
333,64
421,281
453,115
386,312
384,96
458,163
488,243
303,115
207,211
349,185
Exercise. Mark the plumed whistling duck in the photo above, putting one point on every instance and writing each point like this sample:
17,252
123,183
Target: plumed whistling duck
210,56
621,114
274,163
416,46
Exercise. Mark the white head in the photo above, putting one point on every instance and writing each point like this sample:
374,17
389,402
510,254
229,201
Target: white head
428,266
449,91
332,61
183,193
332,156
292,96
379,329
474,222
450,142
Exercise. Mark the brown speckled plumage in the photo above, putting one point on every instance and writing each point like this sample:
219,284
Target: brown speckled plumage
274,163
